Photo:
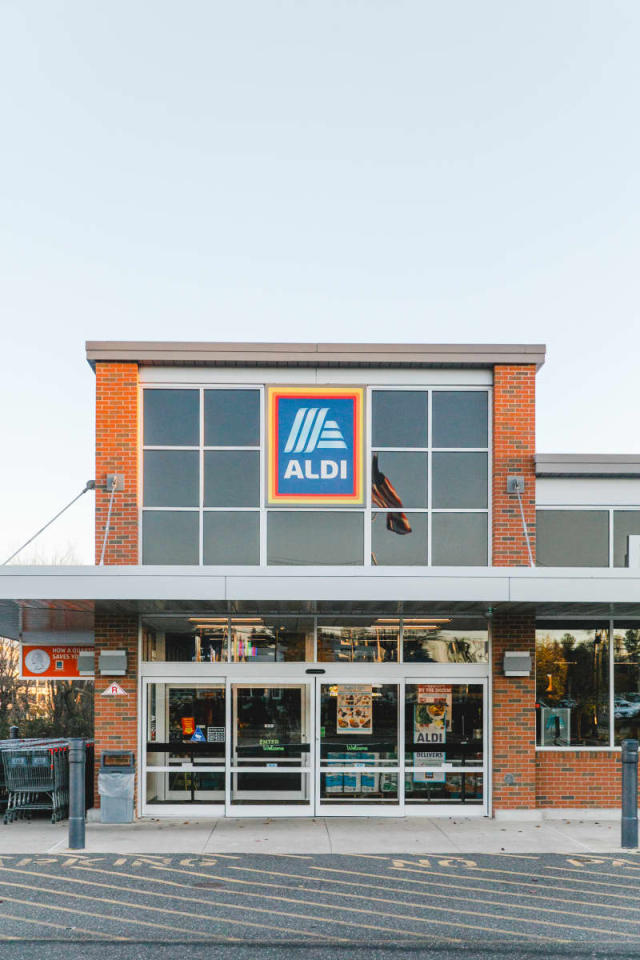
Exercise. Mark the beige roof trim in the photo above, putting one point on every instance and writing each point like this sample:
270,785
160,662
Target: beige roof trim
159,353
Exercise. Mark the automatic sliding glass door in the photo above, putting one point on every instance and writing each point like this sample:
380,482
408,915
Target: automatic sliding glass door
271,749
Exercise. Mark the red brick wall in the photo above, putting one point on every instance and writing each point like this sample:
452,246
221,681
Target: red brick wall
514,425
117,452
572,778
116,722
116,718
514,719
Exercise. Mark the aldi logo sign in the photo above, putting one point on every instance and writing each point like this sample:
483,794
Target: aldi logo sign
315,443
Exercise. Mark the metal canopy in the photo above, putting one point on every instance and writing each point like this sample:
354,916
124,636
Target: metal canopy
65,598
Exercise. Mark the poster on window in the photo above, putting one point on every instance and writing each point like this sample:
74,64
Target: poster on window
355,709
431,714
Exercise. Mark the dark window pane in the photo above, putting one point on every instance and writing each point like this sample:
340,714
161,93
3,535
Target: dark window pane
459,480
171,478
456,641
460,418
399,539
625,523
444,723
232,538
169,536
626,681
315,538
232,478
399,418
399,477
172,418
459,539
572,538
231,418
572,685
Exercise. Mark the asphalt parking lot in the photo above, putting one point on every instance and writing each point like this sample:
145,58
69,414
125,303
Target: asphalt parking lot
268,906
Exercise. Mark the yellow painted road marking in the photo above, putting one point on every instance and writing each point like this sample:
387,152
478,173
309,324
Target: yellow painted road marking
57,926
245,907
86,913
438,883
414,918
146,893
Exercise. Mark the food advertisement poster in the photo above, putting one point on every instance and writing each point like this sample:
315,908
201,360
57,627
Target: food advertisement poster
355,709
431,713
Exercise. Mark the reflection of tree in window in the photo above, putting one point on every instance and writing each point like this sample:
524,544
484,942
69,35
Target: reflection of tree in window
572,677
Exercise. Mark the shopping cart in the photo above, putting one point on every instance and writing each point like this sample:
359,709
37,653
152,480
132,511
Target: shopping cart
37,778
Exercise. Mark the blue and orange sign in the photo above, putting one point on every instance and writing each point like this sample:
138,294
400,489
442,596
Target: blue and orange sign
315,444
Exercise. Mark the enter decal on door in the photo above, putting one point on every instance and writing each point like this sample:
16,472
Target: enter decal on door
355,709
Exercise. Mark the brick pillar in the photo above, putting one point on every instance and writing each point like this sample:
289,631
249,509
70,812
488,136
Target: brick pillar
514,717
514,425
116,718
117,452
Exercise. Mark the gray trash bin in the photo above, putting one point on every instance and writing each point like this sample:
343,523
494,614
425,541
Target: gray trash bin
116,783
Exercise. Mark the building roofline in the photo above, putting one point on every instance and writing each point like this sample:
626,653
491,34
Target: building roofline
587,465
195,354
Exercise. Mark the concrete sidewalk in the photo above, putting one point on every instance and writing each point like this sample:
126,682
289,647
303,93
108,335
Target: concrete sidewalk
377,835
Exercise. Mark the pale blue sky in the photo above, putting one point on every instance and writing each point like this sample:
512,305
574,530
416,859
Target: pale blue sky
414,171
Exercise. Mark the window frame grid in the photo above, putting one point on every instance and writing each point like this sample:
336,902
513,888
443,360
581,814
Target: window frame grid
367,510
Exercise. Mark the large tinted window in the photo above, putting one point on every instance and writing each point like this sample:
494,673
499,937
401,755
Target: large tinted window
572,684
459,539
231,537
231,418
399,478
460,480
399,418
320,537
231,478
572,538
625,523
399,539
171,478
172,418
170,536
460,418
626,681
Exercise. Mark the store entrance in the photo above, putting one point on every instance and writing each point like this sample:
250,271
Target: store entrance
319,746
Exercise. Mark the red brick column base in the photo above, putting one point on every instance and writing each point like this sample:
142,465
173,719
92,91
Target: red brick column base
514,717
116,718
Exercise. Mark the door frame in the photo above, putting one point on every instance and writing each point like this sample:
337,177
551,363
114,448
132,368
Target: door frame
238,675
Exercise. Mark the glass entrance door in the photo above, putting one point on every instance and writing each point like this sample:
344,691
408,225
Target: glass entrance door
359,734
271,748
316,746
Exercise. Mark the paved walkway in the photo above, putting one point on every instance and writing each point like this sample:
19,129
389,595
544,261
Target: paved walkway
377,835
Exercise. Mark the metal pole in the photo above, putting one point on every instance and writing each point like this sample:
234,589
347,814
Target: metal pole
14,733
630,793
77,811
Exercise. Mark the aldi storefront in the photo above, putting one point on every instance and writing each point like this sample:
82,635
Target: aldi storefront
316,589
309,715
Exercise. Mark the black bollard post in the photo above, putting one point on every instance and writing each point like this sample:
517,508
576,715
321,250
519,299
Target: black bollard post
14,733
630,793
77,810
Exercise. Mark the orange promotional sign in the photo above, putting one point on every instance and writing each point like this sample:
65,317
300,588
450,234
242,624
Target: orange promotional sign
188,726
59,662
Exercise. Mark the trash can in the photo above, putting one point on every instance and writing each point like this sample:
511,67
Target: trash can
116,781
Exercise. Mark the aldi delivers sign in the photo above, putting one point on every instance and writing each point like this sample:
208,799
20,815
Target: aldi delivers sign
315,445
